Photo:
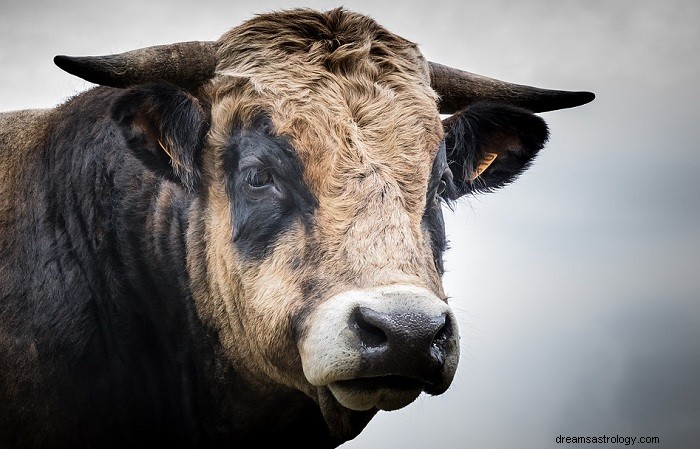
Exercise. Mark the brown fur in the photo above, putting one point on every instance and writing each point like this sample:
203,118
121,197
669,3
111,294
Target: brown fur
356,104
20,133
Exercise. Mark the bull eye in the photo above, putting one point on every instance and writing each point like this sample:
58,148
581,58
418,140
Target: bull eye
445,183
441,187
260,177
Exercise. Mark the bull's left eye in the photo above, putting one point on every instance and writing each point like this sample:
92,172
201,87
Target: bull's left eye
259,177
441,187
444,186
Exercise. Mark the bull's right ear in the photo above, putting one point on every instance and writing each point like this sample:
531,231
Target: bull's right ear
165,127
489,145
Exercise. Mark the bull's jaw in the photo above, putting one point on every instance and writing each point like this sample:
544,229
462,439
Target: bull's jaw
380,348
342,422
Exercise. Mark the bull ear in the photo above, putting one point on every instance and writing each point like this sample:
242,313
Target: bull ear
164,127
489,145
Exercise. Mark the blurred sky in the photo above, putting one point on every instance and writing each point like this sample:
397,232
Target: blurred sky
577,288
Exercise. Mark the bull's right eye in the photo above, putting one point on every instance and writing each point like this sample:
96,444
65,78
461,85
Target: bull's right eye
258,177
265,183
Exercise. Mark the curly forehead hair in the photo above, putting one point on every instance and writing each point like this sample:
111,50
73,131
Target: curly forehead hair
338,40
351,96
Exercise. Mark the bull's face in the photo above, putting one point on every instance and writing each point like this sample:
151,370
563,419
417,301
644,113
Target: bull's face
326,189
319,165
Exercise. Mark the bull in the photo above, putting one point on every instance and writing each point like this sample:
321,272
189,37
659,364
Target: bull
240,242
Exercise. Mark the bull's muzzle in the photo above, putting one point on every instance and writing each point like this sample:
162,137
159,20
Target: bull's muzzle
381,347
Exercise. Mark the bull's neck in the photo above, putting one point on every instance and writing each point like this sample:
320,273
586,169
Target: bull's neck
123,225
153,227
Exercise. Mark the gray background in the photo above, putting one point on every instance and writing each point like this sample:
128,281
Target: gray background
576,288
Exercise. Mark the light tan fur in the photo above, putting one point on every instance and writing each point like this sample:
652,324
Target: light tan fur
355,102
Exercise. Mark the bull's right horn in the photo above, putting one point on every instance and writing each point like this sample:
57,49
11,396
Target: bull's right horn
457,89
185,64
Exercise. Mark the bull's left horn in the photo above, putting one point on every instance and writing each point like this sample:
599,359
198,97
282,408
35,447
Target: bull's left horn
457,89
185,64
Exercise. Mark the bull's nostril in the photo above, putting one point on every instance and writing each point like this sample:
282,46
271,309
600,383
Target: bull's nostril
371,336
444,333
440,342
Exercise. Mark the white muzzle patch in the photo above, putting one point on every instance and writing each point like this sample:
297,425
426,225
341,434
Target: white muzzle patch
363,345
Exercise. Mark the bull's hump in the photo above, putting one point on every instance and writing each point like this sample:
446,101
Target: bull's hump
19,133
18,128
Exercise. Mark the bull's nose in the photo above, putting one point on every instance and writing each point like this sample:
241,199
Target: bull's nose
411,343
381,347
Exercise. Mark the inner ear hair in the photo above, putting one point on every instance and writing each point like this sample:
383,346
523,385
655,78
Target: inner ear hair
165,149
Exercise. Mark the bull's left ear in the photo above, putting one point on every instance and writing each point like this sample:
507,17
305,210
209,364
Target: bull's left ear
489,145
164,127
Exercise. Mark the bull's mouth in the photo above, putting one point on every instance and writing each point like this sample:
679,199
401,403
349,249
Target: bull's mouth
393,382
383,392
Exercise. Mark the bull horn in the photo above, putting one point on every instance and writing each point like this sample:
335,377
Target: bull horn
185,64
458,89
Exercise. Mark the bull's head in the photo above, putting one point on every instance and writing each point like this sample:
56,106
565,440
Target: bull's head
313,147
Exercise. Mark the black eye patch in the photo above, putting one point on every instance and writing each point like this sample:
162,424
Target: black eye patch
266,187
